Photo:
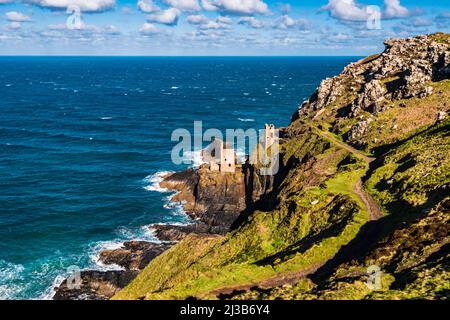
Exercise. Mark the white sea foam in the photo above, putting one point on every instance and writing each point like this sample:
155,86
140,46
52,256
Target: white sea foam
94,254
143,233
195,157
10,273
175,208
154,180
49,293
106,118
169,223
246,119
174,88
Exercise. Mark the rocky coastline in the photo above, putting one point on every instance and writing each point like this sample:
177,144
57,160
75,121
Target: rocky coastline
372,138
213,201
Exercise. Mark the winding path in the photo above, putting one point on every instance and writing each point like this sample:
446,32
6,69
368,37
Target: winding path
372,207
293,277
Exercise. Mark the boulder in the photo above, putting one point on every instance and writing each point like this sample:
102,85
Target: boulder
95,285
356,135
133,255
168,232
370,99
441,116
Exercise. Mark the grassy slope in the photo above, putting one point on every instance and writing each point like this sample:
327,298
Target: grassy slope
412,246
316,196
320,218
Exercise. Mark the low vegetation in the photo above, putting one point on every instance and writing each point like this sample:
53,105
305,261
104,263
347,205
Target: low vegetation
310,236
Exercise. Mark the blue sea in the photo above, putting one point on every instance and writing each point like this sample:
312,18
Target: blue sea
84,140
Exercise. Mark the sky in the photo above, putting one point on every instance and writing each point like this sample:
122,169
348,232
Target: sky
213,27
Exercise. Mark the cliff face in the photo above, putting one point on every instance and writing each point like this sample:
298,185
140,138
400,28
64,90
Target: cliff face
364,181
409,71
213,199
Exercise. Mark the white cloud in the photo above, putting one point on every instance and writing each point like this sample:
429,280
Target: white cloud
224,20
205,24
393,9
420,22
346,10
351,10
6,1
14,25
147,6
111,29
127,10
241,7
17,16
208,6
286,22
84,5
148,29
197,19
443,19
252,22
339,37
211,25
187,5
84,30
168,17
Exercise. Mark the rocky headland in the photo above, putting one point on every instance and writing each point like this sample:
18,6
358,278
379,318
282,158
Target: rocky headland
212,200
363,183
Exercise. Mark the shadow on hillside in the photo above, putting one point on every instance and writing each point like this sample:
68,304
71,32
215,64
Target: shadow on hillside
405,277
306,243
381,150
373,232
267,201
271,185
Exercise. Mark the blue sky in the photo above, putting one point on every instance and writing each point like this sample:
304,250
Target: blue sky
213,27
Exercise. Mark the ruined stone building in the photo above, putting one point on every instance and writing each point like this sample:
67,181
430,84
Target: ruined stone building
269,135
220,156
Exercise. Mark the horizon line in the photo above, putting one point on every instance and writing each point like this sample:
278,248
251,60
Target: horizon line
183,56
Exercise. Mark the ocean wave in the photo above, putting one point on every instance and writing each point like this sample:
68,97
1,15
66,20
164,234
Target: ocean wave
170,223
138,234
246,119
195,157
154,180
10,274
94,254
49,293
175,208
143,233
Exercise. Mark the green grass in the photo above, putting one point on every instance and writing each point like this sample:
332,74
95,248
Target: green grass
317,195
414,169
231,261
